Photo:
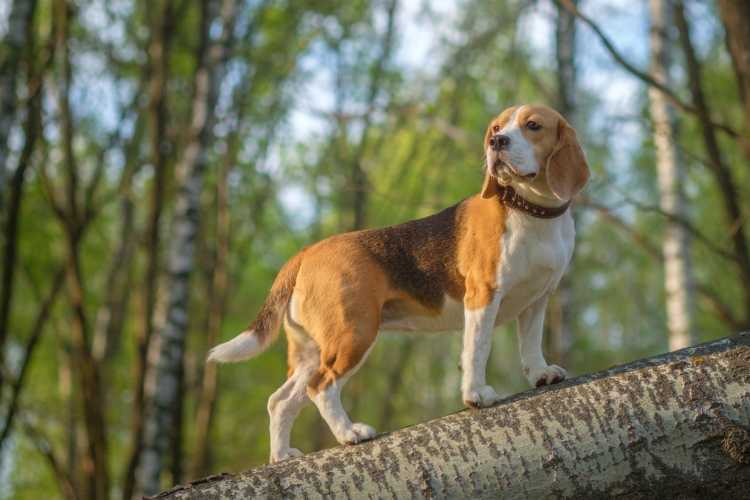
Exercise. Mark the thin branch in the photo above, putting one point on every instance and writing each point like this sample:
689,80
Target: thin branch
10,229
650,249
43,445
736,226
723,175
655,209
719,307
112,140
36,331
644,77
49,191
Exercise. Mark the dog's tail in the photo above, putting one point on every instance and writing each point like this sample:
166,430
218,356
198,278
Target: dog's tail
264,330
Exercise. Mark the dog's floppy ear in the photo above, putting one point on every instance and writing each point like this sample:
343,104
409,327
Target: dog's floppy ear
567,170
489,189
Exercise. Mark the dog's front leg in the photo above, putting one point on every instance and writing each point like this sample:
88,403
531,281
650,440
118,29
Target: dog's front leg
530,327
478,325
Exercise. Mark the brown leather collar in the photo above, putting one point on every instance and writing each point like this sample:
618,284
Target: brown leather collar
509,196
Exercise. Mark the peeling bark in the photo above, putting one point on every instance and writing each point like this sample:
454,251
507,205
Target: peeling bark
671,426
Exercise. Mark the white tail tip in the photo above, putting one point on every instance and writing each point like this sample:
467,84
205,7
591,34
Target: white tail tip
243,347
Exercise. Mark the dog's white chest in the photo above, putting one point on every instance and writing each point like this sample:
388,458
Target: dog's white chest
534,255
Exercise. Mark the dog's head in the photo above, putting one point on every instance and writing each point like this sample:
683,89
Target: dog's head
534,144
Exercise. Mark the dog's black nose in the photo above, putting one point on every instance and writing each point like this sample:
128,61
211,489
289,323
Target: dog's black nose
497,142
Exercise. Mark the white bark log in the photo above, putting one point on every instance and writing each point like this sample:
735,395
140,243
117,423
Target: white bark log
671,426
678,278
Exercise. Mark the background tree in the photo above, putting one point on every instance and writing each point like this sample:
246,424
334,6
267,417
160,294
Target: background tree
327,116
678,272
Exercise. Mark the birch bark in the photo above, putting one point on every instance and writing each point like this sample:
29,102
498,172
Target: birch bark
678,278
189,172
208,390
164,16
671,426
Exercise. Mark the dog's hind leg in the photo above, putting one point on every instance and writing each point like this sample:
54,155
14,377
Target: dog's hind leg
285,404
340,303
338,362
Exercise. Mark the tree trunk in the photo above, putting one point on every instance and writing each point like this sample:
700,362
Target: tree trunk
21,14
565,44
678,279
10,228
110,318
97,483
561,324
723,175
189,174
671,426
735,14
359,183
208,390
36,333
164,19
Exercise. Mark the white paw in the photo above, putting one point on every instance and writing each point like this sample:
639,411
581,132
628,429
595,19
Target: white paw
481,397
286,455
546,376
356,434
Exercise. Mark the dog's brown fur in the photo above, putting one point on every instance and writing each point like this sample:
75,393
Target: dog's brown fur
403,270
394,272
435,273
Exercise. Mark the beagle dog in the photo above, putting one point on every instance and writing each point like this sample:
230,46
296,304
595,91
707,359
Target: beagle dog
489,259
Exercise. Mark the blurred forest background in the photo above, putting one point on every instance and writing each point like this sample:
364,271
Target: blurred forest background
162,159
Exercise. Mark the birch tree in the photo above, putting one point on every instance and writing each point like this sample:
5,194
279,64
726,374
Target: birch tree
678,278
671,426
189,172
734,14
163,16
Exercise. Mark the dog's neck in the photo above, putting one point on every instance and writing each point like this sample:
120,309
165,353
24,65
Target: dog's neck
537,191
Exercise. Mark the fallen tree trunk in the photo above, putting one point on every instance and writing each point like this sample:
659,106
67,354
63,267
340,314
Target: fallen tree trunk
671,426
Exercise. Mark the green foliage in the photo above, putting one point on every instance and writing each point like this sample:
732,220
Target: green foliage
416,134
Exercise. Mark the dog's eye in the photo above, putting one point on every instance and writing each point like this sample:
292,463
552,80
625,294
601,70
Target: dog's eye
533,125
495,128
